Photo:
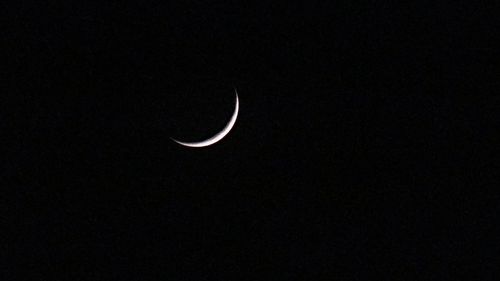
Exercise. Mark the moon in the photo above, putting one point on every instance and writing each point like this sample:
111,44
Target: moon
219,135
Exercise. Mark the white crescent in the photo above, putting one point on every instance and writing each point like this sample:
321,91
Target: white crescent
218,136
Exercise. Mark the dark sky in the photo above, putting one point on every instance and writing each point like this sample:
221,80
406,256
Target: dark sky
364,147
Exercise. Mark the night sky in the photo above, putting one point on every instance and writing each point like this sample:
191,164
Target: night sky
364,146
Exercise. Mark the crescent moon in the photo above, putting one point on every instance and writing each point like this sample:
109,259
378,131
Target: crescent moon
219,135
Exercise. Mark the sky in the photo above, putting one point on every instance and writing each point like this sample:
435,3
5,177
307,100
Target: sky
363,146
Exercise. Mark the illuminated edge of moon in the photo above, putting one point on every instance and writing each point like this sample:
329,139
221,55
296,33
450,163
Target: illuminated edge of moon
219,136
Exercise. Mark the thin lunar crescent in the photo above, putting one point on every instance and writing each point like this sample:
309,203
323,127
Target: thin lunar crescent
218,136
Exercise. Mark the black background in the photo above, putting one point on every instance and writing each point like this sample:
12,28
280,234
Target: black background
364,146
